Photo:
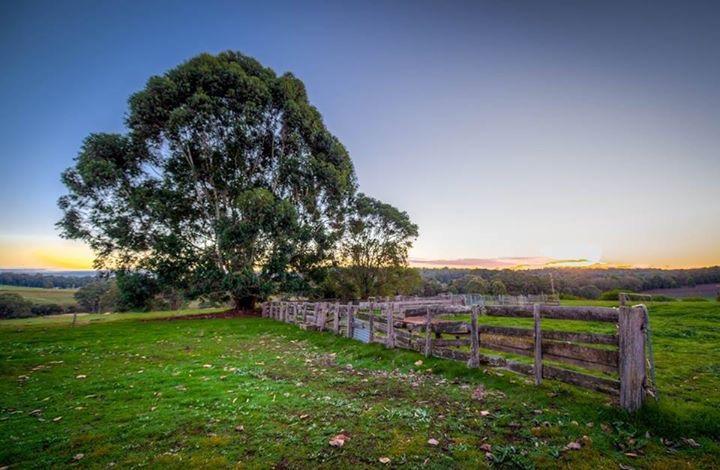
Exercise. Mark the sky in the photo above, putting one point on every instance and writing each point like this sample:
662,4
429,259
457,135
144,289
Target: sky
513,133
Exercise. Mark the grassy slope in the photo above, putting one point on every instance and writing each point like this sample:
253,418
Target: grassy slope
37,295
172,394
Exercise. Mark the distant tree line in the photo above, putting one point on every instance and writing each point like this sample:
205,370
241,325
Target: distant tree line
579,282
43,280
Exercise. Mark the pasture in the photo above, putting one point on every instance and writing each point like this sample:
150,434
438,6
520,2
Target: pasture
36,295
117,389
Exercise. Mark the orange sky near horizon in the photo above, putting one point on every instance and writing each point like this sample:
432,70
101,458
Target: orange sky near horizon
59,254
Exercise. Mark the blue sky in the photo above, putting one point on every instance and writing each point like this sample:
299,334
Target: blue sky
506,129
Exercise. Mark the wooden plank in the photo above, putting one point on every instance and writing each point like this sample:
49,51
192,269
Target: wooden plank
451,342
453,354
428,333
474,360
321,317
579,379
632,358
336,319
451,327
390,325
590,358
350,322
600,314
371,328
537,365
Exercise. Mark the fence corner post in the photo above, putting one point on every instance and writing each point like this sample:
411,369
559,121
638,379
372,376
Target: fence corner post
538,366
474,360
631,323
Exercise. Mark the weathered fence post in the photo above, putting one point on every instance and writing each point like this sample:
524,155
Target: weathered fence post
321,316
474,360
371,326
336,319
390,320
538,367
350,321
428,332
631,322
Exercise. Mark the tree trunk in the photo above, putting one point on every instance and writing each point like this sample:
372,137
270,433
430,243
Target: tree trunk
245,303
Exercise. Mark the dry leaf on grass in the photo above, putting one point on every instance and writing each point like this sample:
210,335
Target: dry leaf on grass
573,446
384,460
433,442
479,393
339,440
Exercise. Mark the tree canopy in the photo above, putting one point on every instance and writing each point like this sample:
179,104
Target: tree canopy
376,245
226,181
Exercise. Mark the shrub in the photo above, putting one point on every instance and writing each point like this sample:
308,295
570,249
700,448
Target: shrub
663,298
610,295
589,292
14,306
46,309
569,297
694,299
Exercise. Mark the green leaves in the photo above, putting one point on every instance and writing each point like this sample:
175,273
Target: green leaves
227,180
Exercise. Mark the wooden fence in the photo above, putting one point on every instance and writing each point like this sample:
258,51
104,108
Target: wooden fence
611,363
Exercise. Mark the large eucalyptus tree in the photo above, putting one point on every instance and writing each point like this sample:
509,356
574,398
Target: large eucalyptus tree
227,181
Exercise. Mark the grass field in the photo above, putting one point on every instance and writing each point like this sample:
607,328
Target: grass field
215,393
36,295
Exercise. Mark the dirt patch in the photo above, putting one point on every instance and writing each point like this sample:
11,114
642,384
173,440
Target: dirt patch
208,316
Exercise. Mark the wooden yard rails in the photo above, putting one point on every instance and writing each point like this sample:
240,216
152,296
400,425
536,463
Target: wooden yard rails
611,363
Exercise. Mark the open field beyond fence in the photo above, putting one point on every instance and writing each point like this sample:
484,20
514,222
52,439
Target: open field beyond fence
36,295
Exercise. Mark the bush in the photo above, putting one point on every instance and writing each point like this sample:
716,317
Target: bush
694,299
663,298
569,297
14,306
46,309
589,292
610,295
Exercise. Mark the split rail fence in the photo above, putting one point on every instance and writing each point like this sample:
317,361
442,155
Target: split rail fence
611,363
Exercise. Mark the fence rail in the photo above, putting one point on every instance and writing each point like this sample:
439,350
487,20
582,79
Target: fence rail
609,363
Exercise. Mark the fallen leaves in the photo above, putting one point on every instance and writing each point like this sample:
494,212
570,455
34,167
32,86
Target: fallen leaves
78,457
339,440
81,376
384,460
485,413
573,446
479,393
433,442
419,362
690,442
239,428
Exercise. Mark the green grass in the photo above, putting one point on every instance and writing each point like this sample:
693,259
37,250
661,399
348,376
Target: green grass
120,390
36,295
